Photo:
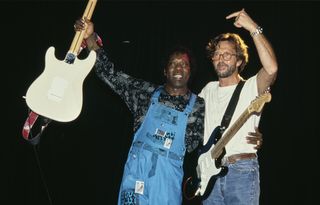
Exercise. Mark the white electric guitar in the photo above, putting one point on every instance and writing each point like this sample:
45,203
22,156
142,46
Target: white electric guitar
208,167
57,92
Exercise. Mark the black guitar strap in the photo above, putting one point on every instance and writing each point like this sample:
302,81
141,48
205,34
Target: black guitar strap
231,106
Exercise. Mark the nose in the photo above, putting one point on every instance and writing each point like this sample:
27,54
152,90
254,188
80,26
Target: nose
179,66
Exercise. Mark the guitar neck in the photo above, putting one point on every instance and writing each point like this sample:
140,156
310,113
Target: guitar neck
78,38
217,149
255,106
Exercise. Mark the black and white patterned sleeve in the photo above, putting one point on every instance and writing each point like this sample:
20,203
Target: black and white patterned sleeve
195,127
128,88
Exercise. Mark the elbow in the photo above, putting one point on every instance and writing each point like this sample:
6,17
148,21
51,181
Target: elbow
272,70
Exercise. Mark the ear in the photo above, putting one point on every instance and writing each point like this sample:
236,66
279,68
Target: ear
165,72
239,62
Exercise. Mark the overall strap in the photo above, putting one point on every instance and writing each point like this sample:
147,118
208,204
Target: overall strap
156,94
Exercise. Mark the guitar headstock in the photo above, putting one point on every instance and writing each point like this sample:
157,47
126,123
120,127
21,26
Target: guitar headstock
258,103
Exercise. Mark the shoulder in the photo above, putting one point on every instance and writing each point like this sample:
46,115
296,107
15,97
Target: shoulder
251,80
199,100
251,83
250,87
199,105
210,85
208,88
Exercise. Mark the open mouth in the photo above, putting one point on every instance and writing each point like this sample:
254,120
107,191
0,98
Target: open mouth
177,76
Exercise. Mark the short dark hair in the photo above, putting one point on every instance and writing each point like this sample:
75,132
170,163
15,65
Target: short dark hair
235,39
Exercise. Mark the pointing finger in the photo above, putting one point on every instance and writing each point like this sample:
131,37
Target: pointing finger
235,14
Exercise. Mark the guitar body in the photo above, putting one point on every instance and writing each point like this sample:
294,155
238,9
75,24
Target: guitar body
205,172
57,92
191,180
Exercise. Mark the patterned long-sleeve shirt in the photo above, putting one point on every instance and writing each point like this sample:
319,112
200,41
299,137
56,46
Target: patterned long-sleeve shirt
137,94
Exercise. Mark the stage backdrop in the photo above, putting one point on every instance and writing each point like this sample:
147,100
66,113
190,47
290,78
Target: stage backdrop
81,161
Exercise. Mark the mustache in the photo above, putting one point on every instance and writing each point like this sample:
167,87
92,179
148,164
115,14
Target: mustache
221,64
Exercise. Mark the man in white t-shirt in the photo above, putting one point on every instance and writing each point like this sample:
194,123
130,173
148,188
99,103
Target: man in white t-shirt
228,53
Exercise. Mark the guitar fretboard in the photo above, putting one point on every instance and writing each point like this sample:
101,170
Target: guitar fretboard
78,38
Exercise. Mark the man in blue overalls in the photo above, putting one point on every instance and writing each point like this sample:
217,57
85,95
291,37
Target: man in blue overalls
168,121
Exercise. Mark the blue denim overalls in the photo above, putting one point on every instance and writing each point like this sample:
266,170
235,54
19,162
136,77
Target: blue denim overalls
153,172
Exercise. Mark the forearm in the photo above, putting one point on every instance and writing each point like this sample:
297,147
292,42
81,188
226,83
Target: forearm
92,42
266,54
127,87
268,73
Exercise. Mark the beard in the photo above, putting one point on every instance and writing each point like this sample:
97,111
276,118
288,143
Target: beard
226,73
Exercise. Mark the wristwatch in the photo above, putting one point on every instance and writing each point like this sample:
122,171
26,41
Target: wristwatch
257,31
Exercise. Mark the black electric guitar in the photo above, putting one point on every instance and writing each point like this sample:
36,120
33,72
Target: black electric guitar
57,92
208,168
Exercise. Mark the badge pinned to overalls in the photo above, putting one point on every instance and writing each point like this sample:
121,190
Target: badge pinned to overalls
167,143
161,133
139,187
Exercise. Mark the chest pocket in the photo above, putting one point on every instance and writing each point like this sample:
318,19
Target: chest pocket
166,116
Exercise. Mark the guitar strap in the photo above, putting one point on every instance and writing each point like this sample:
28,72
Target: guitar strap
231,107
29,124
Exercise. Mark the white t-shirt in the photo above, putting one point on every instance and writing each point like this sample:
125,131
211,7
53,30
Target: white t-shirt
217,99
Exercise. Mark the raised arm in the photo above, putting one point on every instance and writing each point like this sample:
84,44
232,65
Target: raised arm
267,74
89,34
130,89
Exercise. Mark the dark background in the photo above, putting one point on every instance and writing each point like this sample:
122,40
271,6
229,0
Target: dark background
81,161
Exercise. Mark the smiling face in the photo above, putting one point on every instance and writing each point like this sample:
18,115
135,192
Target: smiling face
177,73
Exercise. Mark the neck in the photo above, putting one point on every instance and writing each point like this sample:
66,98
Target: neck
228,81
176,91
